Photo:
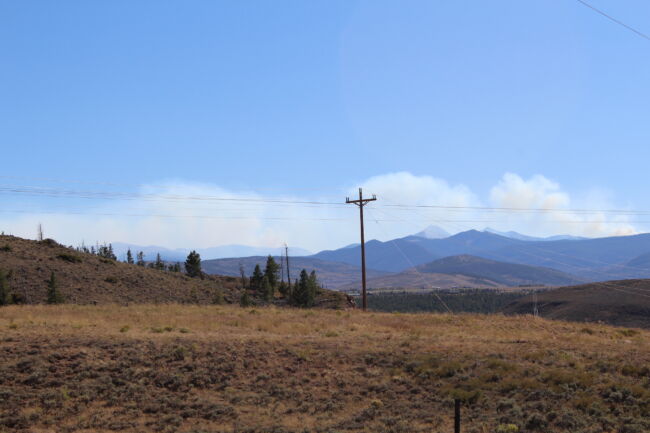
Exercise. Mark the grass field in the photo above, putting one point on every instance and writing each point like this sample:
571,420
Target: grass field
168,368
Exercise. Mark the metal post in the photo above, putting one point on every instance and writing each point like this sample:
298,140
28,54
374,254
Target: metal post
456,416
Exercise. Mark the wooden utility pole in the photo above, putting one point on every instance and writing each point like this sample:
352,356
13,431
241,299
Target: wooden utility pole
361,202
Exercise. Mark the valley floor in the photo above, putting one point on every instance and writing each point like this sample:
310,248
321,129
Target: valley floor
169,368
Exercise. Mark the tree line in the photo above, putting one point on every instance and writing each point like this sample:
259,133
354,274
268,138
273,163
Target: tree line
192,266
266,285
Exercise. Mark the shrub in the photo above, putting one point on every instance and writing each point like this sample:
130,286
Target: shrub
111,280
4,289
218,298
628,332
70,258
465,393
5,248
245,300
178,353
49,242
536,422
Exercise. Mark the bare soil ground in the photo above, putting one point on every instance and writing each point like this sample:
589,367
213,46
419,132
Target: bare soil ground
185,368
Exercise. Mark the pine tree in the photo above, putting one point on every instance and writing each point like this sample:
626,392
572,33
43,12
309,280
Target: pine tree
4,289
193,265
140,261
106,251
53,294
312,285
271,273
304,290
266,289
283,288
256,279
129,257
160,265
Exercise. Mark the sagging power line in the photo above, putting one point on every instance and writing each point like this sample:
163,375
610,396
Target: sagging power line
113,195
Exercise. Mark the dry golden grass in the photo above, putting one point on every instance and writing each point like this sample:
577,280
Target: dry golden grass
291,370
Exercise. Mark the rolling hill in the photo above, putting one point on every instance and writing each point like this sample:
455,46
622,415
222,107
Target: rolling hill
330,274
622,303
508,274
470,271
89,279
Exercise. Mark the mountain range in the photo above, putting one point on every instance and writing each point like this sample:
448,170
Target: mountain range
400,262
597,259
180,254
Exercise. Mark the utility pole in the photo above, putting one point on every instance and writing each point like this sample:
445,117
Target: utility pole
286,251
361,202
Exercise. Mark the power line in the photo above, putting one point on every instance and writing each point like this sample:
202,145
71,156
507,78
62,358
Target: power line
112,195
611,18
174,216
519,209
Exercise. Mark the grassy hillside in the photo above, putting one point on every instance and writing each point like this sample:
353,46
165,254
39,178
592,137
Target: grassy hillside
172,368
623,303
87,278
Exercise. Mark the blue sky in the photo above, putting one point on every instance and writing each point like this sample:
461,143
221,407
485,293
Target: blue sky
306,97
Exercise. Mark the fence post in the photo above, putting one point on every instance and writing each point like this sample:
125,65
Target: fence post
457,416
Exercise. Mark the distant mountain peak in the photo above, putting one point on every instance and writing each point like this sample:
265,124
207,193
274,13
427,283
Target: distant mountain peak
433,232
516,235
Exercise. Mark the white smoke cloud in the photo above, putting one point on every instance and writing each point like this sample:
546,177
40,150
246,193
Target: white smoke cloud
197,220
538,192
